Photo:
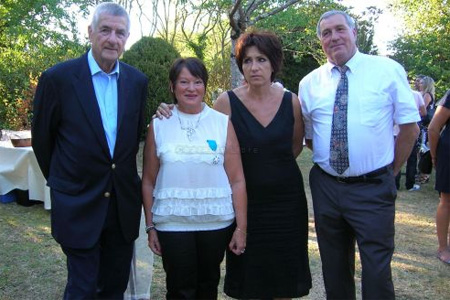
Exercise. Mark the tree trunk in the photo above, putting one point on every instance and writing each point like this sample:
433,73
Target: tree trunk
236,30
236,76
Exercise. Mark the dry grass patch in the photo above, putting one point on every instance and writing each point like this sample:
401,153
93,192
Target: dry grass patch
32,265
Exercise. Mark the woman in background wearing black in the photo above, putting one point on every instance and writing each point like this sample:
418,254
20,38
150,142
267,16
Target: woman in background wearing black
440,153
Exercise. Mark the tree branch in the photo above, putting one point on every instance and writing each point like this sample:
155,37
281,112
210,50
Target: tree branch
253,6
233,23
272,12
250,8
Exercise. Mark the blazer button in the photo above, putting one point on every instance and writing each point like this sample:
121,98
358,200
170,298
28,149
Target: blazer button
107,194
113,166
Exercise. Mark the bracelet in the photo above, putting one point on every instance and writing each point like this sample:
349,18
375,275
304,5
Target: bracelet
238,229
150,227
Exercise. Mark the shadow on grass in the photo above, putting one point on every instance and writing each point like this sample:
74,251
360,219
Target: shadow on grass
32,265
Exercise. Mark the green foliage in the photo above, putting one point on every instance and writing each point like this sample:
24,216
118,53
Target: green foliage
219,74
295,69
296,26
28,45
153,56
19,72
198,45
207,37
217,60
365,29
423,47
214,50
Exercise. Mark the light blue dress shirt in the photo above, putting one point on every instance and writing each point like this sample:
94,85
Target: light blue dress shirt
105,86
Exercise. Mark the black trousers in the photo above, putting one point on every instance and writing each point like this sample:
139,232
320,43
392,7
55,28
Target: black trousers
411,169
347,212
101,272
192,262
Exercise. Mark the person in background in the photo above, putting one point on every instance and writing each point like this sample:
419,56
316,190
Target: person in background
439,139
193,188
417,82
411,163
426,88
87,123
352,100
269,127
278,82
420,101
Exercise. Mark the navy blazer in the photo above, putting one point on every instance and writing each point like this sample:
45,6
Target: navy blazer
71,148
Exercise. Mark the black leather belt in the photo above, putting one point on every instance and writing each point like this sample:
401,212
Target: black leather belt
368,177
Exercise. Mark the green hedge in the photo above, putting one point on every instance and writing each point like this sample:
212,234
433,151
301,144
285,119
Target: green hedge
153,56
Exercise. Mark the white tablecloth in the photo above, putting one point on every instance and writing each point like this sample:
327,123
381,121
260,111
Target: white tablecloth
19,170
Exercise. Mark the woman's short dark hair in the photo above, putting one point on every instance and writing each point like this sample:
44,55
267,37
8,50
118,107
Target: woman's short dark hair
266,42
194,65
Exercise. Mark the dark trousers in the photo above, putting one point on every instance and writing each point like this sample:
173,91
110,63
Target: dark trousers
411,169
101,272
347,212
192,262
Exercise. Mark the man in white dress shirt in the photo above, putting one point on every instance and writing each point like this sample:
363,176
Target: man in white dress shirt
356,203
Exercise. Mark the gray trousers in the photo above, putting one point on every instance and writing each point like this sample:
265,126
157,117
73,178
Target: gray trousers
347,212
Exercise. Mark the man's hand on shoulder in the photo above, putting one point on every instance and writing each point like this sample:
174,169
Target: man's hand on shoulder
163,110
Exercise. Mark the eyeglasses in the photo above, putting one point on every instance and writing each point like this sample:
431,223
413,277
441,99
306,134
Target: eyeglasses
185,83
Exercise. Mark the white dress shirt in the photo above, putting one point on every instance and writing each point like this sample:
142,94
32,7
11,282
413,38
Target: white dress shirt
419,102
378,96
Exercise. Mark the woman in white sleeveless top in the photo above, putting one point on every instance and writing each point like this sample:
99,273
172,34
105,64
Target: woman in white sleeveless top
193,188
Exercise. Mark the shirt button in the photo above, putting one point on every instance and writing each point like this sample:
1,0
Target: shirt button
113,166
107,194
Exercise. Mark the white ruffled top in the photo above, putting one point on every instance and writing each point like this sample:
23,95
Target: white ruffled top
192,190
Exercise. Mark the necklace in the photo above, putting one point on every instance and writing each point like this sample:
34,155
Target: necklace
189,128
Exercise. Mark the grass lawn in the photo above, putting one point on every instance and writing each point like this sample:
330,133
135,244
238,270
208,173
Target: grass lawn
32,265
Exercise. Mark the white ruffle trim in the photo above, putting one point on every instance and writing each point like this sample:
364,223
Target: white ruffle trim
192,193
193,207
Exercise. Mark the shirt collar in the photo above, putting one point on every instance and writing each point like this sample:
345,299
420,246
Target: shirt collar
351,64
95,68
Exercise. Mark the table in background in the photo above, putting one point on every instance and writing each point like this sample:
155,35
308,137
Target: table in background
19,170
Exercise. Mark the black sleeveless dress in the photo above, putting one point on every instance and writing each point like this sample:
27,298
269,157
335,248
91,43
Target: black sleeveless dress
443,156
275,263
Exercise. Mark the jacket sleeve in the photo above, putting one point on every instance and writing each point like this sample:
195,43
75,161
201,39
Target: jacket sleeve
45,121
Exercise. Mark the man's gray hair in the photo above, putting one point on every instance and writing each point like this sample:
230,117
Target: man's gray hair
350,21
109,8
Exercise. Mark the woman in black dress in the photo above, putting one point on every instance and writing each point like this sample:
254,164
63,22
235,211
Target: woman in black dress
440,153
267,120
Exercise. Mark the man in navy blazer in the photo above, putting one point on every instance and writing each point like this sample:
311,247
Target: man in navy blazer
88,118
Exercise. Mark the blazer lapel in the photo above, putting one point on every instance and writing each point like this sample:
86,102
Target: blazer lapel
86,95
122,95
